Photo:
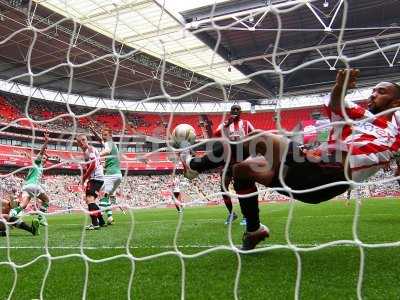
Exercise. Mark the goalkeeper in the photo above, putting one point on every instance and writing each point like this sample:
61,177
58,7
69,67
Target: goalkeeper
359,150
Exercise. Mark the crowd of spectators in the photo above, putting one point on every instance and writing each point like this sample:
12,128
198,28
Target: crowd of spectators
155,190
65,191
40,110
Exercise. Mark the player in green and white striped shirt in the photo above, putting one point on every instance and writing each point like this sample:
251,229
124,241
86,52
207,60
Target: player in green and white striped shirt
112,170
32,187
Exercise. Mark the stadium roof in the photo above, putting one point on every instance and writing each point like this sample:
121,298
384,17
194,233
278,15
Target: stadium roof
247,32
153,28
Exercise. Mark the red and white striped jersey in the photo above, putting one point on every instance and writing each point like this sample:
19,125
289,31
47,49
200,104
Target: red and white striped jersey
235,131
370,143
91,154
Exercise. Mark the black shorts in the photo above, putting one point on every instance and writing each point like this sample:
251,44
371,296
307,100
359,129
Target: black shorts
304,174
176,194
93,187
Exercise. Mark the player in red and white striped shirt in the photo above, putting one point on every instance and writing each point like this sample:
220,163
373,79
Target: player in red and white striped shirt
316,175
369,144
235,129
92,180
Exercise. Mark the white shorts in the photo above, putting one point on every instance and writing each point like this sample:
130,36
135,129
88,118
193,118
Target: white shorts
111,183
33,190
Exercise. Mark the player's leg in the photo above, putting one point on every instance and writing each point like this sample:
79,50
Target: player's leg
225,181
177,197
262,158
111,183
93,188
105,203
117,179
7,220
257,143
44,206
214,158
3,231
246,174
25,199
5,208
300,173
3,226
265,153
94,212
20,224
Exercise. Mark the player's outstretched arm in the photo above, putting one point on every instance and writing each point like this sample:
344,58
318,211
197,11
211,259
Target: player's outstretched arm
44,146
341,85
95,133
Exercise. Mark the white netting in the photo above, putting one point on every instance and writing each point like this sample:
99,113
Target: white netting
197,196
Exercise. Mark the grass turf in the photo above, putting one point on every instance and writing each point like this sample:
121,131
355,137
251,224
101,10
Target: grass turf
329,273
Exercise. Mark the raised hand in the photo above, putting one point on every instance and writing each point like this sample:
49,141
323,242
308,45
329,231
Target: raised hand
341,77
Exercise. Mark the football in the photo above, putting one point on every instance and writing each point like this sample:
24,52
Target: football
183,135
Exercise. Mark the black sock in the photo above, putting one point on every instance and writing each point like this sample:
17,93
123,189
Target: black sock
100,217
3,233
177,208
20,224
93,214
248,204
228,202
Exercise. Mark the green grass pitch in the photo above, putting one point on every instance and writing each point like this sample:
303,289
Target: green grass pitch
329,273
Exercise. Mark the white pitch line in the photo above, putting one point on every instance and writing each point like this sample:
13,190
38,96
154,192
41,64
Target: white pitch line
219,220
151,222
109,247
170,246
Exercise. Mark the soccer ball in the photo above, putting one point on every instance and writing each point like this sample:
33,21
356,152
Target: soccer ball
183,135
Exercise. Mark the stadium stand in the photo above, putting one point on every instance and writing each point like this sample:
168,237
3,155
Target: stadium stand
148,124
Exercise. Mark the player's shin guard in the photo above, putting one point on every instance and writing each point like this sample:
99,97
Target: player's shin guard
248,204
106,205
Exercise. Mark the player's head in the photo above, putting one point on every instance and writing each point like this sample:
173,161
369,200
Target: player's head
385,95
235,111
82,141
106,134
